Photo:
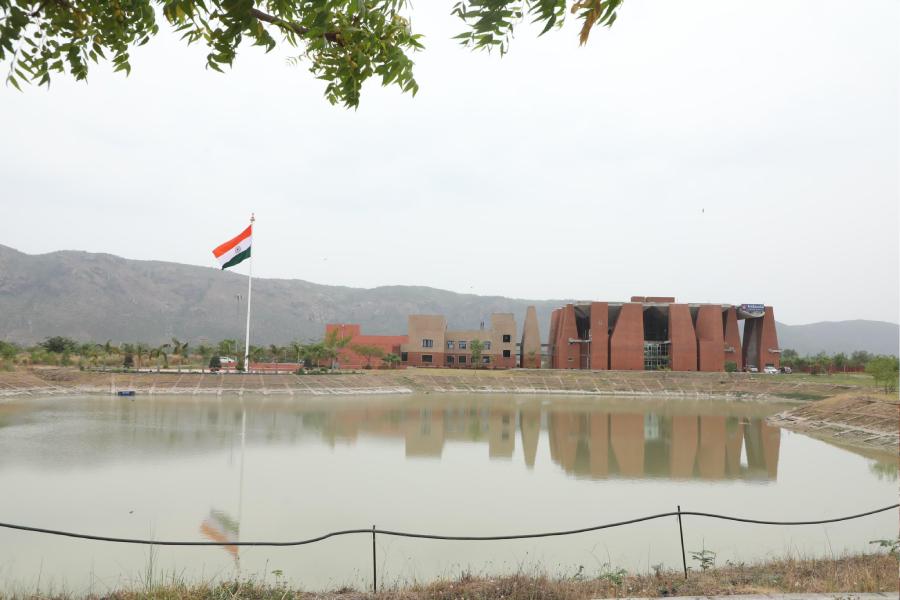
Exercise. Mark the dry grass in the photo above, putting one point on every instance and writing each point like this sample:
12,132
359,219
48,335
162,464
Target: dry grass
867,420
862,573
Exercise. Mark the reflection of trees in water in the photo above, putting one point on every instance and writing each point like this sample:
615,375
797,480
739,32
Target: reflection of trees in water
884,470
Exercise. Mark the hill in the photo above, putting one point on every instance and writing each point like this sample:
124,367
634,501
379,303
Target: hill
91,296
878,337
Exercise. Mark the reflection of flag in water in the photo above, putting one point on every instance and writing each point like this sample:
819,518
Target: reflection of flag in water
219,527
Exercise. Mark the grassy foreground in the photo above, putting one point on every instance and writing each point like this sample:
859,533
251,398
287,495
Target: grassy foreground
859,573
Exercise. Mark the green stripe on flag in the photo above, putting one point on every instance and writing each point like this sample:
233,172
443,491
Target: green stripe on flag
238,258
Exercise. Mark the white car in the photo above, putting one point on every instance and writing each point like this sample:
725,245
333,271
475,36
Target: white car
770,370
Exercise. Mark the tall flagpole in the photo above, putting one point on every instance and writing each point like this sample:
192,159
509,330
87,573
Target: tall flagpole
249,300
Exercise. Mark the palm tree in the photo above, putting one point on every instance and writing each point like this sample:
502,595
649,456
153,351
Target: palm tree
162,351
180,350
227,347
140,350
390,359
297,349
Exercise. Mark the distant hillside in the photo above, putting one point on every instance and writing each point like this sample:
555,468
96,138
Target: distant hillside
878,337
99,296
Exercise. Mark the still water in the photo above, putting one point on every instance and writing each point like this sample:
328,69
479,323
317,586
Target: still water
279,468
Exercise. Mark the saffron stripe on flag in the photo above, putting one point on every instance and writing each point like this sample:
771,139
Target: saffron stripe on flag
222,249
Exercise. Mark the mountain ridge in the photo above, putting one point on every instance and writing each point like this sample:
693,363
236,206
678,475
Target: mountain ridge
100,296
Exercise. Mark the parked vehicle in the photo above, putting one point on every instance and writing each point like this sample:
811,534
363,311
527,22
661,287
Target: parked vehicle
752,369
770,370
787,370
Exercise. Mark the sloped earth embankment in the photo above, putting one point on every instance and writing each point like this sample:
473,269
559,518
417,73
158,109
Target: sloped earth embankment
868,421
728,386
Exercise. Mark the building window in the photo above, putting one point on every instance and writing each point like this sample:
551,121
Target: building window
462,344
462,360
426,358
506,354
486,359
487,345
404,356
449,344
426,343
507,338
449,359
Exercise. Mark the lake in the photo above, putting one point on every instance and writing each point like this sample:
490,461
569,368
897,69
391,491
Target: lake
279,468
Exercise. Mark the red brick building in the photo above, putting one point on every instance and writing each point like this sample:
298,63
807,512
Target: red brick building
350,359
650,333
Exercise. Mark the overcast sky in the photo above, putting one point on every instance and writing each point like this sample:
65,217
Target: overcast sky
714,151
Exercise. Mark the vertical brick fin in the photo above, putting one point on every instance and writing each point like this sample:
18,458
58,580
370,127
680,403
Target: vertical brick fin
530,350
568,356
627,341
710,339
551,338
683,342
732,338
599,336
768,340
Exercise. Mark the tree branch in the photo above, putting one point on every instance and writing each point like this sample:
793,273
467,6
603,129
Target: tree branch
332,36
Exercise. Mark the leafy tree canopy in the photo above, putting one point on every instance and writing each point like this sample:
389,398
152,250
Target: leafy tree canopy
344,42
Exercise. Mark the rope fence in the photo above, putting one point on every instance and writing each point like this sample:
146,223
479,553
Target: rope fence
373,531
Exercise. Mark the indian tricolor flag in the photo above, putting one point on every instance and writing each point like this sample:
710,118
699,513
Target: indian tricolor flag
235,250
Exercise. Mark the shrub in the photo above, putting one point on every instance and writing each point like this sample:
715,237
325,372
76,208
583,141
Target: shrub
730,366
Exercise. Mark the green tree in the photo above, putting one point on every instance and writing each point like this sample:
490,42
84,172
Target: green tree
205,351
332,344
59,344
789,357
391,360
884,370
297,349
257,353
860,358
8,350
368,352
344,42
140,351
161,352
839,361
227,347
476,347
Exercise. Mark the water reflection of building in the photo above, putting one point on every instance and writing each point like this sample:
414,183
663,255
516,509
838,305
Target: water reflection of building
584,443
601,445
616,441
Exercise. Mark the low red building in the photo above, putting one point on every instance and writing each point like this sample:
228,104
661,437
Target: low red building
350,359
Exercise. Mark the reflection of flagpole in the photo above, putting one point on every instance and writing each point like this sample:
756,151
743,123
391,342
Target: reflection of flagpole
249,299
243,445
241,480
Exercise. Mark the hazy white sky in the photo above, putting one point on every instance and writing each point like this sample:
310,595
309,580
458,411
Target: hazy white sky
714,151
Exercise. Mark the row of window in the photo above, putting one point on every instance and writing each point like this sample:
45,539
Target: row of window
463,344
461,359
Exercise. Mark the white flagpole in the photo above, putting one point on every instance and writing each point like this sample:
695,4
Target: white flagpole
249,300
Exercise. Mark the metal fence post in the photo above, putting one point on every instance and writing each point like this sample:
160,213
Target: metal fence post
681,534
374,567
